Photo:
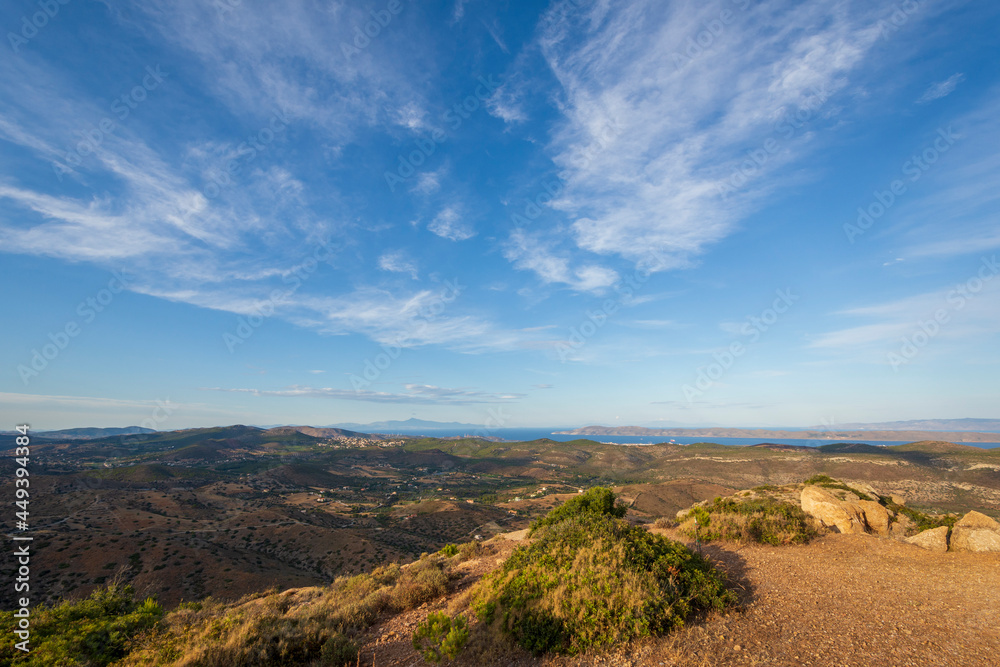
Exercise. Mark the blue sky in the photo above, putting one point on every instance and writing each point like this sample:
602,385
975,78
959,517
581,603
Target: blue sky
507,214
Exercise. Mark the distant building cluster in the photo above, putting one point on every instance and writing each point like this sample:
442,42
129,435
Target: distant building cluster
350,442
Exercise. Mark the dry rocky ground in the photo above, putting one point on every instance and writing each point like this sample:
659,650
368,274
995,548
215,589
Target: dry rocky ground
853,600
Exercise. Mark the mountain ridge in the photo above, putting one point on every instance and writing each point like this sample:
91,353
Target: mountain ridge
411,423
825,434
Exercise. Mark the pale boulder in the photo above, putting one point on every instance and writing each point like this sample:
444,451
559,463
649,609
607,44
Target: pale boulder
975,532
935,539
832,512
876,516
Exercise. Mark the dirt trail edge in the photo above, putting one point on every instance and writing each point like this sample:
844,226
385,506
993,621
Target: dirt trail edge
851,600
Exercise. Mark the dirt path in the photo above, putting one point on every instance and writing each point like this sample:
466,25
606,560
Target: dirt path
850,600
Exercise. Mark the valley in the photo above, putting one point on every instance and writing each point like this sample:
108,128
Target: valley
227,511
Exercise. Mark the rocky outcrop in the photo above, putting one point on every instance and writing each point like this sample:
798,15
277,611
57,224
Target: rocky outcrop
935,539
832,512
900,528
876,516
975,532
847,516
866,489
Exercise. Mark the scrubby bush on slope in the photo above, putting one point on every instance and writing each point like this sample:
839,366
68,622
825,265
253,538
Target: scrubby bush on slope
440,637
310,626
598,501
764,520
592,580
93,632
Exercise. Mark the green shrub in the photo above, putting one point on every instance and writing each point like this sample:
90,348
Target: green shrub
597,500
339,651
470,550
762,520
449,550
93,632
440,637
920,520
424,581
594,580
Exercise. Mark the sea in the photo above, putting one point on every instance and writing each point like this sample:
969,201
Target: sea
526,434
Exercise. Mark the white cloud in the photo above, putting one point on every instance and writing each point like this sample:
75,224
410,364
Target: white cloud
530,253
429,182
407,319
494,31
653,324
941,89
411,116
450,224
228,252
969,308
506,105
151,211
426,317
289,57
423,394
59,411
651,137
458,13
962,187
398,261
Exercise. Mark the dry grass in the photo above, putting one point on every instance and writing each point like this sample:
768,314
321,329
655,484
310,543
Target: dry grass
596,581
760,519
305,626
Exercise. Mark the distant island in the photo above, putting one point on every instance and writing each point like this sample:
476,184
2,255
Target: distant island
814,434
980,425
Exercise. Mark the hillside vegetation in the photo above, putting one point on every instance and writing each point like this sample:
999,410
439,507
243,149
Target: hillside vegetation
593,580
765,520
588,580
96,631
227,512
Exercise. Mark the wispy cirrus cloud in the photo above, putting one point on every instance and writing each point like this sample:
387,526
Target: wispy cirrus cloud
421,394
139,198
451,223
49,409
680,126
398,261
530,252
408,319
967,309
291,56
941,89
963,188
